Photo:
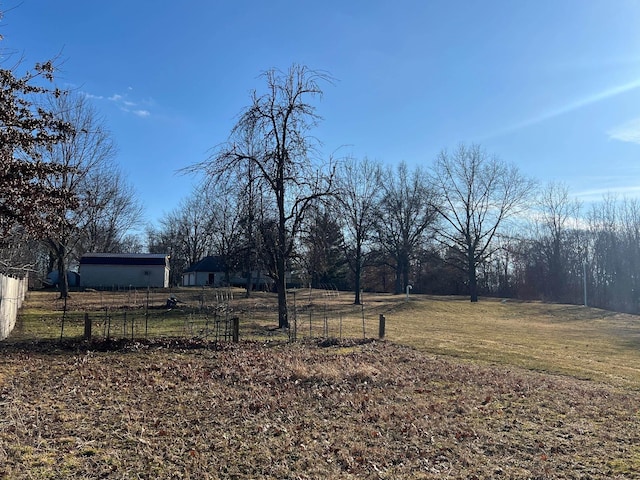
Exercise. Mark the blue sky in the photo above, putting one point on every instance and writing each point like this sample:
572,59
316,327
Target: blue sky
552,86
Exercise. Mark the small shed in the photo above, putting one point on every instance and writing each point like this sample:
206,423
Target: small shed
209,271
124,270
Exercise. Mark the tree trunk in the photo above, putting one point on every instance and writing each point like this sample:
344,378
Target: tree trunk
357,274
556,283
405,273
473,280
402,273
63,281
247,293
398,289
281,289
281,253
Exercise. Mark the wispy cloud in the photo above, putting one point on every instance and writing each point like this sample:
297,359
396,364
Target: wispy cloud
92,96
570,107
627,132
582,102
124,103
619,191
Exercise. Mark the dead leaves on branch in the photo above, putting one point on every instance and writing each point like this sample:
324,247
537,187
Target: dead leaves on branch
27,198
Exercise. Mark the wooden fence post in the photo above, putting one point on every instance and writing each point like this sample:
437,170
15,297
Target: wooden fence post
87,326
236,329
381,326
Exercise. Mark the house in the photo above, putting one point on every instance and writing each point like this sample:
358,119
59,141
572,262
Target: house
124,270
208,271
212,271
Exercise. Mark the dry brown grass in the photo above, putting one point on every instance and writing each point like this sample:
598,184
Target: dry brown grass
378,410
474,394
568,339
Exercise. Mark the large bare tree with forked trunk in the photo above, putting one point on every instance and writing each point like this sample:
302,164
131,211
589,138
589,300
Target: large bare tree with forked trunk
273,134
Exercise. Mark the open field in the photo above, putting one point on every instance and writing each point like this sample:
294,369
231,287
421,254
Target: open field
582,342
491,390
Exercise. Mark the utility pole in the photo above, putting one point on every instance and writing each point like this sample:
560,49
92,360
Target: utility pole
584,280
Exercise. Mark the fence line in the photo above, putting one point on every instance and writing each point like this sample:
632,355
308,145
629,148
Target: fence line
12,294
199,314
310,324
216,326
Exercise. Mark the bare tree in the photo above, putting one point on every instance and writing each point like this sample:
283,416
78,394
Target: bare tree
478,194
358,193
321,251
228,236
185,233
250,190
166,239
207,222
82,154
193,220
19,254
629,285
557,218
405,215
239,193
279,123
109,211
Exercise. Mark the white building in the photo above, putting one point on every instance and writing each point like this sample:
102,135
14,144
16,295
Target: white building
211,271
124,270
208,271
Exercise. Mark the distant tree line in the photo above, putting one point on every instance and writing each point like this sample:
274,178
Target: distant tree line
466,224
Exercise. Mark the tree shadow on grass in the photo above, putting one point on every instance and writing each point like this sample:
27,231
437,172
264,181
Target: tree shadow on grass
73,346
79,345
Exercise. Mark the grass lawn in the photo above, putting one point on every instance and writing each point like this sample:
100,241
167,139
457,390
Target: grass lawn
581,342
456,390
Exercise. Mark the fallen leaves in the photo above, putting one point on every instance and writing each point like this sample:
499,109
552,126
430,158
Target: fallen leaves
376,410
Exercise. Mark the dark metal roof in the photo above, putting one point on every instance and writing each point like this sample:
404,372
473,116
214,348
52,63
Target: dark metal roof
208,264
124,259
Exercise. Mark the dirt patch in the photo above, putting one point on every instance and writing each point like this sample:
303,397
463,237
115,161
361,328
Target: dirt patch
255,410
